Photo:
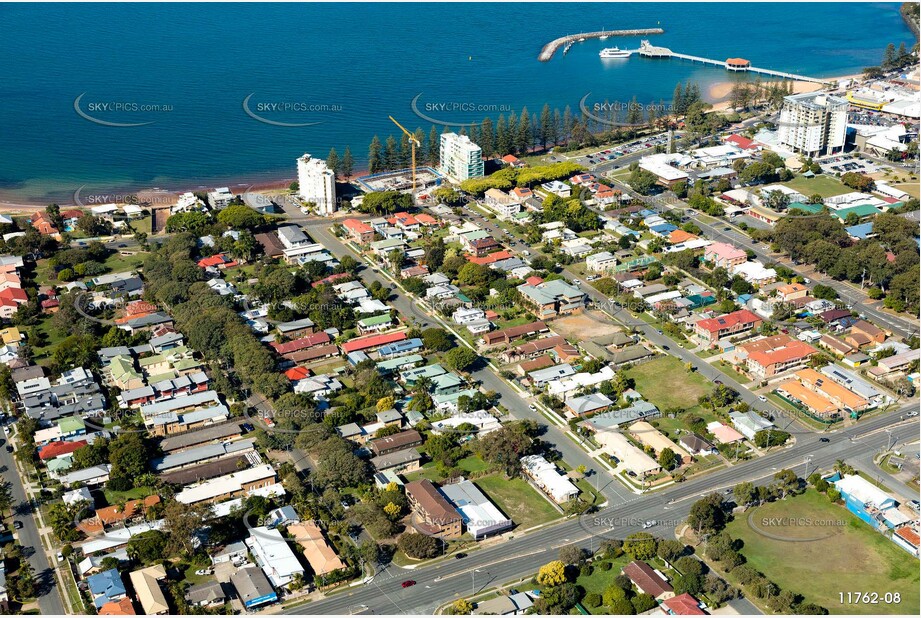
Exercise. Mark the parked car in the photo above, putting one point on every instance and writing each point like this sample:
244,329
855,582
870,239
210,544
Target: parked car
17,524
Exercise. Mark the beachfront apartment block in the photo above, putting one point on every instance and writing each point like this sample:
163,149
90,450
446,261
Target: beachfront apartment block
813,123
460,158
316,183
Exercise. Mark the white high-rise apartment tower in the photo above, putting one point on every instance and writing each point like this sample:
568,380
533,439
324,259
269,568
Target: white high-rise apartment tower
813,123
317,184
460,158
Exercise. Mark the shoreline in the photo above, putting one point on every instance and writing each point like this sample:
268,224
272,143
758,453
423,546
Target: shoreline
718,92
717,95
156,196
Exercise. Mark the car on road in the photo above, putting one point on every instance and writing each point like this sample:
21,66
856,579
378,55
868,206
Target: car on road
9,449
762,398
576,282
666,348
914,505
532,407
659,331
17,524
649,524
912,414
824,439
460,556
408,583
727,229
122,245
717,381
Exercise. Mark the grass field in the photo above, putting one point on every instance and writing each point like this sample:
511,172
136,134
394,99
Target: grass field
599,580
665,383
845,558
517,500
826,186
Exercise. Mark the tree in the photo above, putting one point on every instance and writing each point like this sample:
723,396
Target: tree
707,515
147,547
552,574
375,161
669,550
418,546
240,217
572,554
333,162
128,457
642,181
668,459
338,466
183,522
460,358
640,546
6,497
437,339
643,602
745,493
461,607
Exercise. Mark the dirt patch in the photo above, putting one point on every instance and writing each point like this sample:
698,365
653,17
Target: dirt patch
586,325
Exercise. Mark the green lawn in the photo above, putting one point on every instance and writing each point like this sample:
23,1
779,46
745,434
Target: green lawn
665,383
846,558
517,500
826,186
114,497
118,263
599,580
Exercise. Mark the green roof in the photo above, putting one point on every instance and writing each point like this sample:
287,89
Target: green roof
376,320
59,464
862,210
395,363
810,208
453,397
169,375
71,424
186,363
152,360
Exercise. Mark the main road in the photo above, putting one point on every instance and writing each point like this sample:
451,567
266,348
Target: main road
49,595
520,556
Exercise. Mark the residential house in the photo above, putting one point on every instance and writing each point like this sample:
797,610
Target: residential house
712,330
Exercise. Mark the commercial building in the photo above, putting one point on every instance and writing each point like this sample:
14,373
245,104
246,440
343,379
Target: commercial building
481,517
316,184
460,159
813,123
549,479
253,587
434,514
749,423
629,456
864,499
273,555
650,437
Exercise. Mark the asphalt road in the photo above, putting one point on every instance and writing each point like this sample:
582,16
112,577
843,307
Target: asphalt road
49,596
520,557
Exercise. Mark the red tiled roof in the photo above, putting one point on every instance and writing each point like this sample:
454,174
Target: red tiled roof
359,227
743,316
510,158
297,373
364,343
56,449
534,280
909,535
122,607
425,219
646,579
140,306
304,342
684,605
489,259
14,294
215,260
740,141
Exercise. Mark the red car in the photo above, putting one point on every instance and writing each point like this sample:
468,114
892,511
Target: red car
408,583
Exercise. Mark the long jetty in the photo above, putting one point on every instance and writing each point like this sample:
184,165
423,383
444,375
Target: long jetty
546,53
652,51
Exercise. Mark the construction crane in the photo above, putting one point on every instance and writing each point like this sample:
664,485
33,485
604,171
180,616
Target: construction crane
413,144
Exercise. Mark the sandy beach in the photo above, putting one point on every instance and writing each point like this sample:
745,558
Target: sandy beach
719,92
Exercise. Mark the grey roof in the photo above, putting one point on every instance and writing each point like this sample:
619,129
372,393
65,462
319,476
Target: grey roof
251,583
85,474
207,592
176,403
151,319
166,339
612,418
200,453
192,438
396,458
588,403
629,354
295,325
27,373
552,373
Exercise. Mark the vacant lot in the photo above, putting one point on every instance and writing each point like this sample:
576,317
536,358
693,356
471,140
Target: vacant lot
821,561
665,383
826,186
590,324
517,500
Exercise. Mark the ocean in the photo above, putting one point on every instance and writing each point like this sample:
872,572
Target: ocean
233,93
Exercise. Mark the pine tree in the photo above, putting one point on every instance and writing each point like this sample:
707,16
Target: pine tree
405,152
391,156
545,120
375,162
678,101
487,138
503,143
434,147
512,133
889,58
523,137
556,126
348,163
567,124
332,162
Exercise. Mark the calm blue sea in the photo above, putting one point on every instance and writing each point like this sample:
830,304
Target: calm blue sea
343,68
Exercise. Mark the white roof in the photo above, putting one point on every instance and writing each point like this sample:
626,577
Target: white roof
227,484
753,271
862,490
479,514
630,456
557,485
273,553
117,538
